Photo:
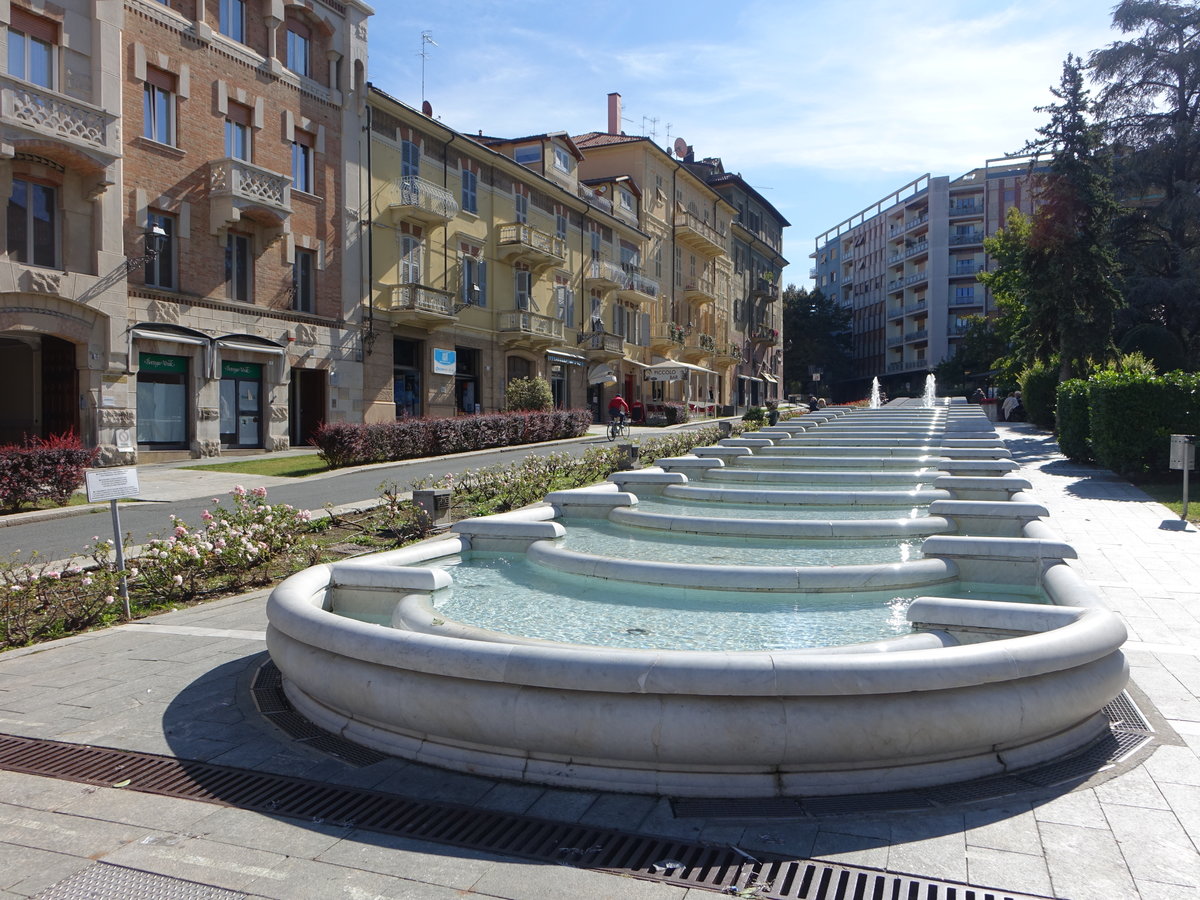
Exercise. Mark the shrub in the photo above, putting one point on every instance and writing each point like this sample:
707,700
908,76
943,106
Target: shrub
529,394
677,413
50,469
1163,347
1038,384
755,415
1074,430
1133,416
343,444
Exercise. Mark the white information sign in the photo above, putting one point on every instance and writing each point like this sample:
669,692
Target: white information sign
666,374
111,484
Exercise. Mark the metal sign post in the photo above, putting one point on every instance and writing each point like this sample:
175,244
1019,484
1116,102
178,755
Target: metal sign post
1183,456
113,485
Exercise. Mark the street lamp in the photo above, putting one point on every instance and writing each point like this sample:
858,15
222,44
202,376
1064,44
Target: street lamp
155,241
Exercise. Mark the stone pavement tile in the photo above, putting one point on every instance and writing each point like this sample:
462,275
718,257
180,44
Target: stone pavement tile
386,854
623,812
1185,803
530,881
1176,765
297,837
427,783
1134,788
1080,808
1156,890
1005,870
562,805
64,833
35,792
1009,827
928,853
661,821
1156,847
850,849
794,839
196,859
1085,863
169,814
725,832
509,797
25,871
303,879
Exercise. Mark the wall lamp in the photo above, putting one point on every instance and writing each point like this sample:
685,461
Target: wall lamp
155,241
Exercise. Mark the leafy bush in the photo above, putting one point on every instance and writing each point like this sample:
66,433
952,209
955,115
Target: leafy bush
1074,430
1133,416
530,394
50,469
1038,384
1162,347
342,444
755,415
677,413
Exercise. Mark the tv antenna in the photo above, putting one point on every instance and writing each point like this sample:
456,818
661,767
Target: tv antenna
653,132
426,39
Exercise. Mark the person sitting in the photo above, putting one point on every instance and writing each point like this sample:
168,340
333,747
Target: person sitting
1011,402
618,409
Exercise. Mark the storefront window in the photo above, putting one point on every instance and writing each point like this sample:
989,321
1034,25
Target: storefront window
162,401
241,404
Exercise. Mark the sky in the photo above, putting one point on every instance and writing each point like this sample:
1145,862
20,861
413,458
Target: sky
824,106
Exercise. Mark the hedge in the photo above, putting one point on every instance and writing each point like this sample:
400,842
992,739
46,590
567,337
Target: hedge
1038,384
344,444
1074,430
51,469
1133,416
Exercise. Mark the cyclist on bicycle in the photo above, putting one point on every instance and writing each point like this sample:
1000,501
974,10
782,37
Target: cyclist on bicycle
618,410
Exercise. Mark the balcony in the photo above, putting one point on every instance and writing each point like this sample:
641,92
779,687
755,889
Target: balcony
700,291
666,336
895,312
916,249
966,209
603,274
699,346
918,306
601,346
895,341
728,355
637,288
906,365
972,269
531,331
957,329
764,334
966,300
238,189
425,307
593,199
696,234
413,199
961,240
920,334
48,115
523,243
895,286
767,289
916,278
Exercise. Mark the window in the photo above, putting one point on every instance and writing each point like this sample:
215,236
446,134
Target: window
965,293
160,271
522,206
410,159
631,260
474,281
595,245
560,227
31,48
233,19
562,159
564,304
625,200
304,273
523,285
237,132
299,43
470,188
302,162
528,155
238,274
32,223
410,259
158,106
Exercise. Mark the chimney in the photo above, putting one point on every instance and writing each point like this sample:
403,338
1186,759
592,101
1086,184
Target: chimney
614,113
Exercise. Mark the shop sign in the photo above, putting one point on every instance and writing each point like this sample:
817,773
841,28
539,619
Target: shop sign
156,362
445,362
241,370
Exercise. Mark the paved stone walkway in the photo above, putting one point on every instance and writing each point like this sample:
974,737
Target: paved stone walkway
179,684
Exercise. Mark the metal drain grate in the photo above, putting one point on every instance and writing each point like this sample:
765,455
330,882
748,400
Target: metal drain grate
602,849
104,881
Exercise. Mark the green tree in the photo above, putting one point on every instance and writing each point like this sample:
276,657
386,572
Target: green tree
1009,282
531,394
816,332
981,345
1151,99
1055,276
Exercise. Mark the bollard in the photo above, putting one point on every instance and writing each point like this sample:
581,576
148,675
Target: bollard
725,429
629,456
435,503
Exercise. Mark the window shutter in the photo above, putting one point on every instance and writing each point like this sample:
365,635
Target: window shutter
643,329
481,276
35,26
238,114
162,80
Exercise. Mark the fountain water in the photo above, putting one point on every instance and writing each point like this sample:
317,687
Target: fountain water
875,393
971,683
930,391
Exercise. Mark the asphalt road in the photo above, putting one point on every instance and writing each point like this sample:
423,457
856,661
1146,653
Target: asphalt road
61,538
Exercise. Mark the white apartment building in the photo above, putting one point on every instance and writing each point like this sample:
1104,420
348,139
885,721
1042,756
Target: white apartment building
907,267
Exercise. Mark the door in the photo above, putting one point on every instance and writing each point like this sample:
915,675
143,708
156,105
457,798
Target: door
241,405
60,387
307,400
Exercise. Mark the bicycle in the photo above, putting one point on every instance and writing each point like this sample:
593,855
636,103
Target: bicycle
618,427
